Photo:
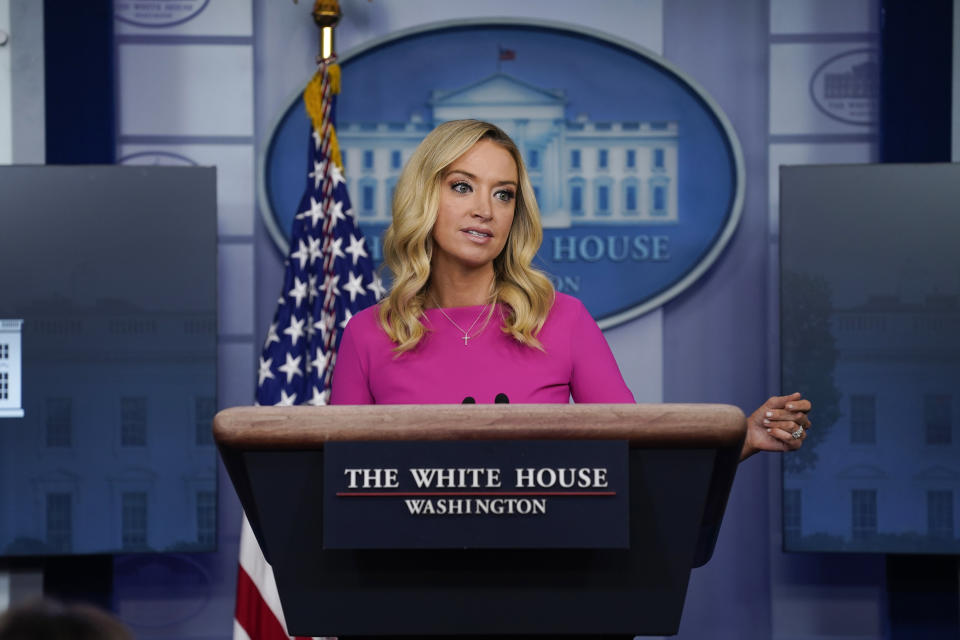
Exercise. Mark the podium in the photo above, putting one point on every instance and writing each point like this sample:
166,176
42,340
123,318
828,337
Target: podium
681,463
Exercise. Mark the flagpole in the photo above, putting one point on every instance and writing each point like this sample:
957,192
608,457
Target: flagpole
322,289
326,15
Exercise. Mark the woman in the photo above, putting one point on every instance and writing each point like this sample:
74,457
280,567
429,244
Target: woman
468,319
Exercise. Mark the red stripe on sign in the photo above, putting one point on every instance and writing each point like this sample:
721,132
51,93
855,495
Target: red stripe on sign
412,494
253,614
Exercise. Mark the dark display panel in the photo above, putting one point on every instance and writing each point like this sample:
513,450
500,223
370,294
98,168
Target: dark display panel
111,272
870,331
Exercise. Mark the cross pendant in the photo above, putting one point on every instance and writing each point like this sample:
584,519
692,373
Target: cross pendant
465,338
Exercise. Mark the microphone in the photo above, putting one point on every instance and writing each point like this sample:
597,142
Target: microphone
501,399
469,400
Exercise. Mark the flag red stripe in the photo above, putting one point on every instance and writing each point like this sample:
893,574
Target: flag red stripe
253,614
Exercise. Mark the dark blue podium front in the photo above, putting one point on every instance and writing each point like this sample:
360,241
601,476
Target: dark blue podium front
679,475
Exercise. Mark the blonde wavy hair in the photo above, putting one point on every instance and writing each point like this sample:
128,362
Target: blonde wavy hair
408,242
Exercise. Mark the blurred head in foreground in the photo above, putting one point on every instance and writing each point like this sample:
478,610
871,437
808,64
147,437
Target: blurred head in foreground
49,620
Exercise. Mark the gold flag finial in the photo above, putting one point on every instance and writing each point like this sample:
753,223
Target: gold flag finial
326,15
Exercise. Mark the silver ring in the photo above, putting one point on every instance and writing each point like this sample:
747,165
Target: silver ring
797,434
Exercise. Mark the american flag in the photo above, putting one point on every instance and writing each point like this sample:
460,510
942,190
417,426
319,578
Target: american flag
328,277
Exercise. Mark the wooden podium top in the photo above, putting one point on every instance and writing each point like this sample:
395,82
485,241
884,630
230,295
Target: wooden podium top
645,425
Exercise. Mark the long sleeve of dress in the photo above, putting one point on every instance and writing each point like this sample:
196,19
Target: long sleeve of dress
351,384
595,377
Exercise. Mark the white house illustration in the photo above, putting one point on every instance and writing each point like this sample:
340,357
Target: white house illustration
583,172
894,382
111,453
10,369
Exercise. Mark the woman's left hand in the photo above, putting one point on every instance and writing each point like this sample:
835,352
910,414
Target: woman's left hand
780,424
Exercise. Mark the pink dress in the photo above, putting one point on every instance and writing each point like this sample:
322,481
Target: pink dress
576,362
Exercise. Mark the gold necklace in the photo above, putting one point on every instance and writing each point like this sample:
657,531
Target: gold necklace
466,334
